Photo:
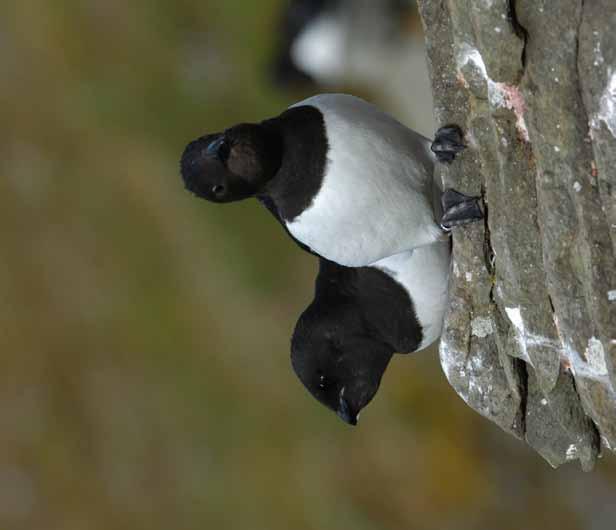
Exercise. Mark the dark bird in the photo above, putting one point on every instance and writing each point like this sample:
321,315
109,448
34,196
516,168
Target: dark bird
359,317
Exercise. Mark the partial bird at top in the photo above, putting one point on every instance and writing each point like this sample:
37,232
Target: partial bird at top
376,47
346,180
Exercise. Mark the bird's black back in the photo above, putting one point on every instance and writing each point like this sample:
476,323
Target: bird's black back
383,308
304,159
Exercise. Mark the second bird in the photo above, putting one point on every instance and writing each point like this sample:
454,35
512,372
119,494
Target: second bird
359,317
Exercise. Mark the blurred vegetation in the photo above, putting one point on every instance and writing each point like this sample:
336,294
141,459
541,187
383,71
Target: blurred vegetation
146,380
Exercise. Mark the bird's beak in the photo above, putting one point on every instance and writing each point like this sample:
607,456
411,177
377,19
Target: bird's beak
345,412
214,145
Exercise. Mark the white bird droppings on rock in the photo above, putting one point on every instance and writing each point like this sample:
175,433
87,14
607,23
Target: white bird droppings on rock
590,365
577,186
499,94
595,357
598,55
607,105
516,317
477,363
468,54
611,295
527,338
510,97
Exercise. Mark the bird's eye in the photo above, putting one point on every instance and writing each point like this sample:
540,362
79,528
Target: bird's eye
218,190
322,381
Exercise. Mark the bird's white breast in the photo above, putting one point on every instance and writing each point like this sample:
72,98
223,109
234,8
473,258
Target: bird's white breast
376,195
424,274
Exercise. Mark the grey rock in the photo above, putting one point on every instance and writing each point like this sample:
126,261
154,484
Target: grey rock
597,68
556,426
530,337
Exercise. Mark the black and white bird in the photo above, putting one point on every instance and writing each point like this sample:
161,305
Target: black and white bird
359,317
329,44
346,180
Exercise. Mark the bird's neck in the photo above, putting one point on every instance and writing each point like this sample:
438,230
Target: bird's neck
303,160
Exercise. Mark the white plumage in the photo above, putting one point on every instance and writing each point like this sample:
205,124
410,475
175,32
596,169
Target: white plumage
424,274
378,192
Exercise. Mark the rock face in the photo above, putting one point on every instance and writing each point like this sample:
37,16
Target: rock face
530,337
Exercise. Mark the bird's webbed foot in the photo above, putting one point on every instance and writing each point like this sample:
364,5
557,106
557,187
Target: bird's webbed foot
448,142
459,209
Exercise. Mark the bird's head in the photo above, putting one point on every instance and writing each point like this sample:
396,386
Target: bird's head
339,365
233,165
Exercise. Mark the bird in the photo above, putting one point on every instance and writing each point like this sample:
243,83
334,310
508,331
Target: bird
347,181
329,44
331,41
298,17
361,316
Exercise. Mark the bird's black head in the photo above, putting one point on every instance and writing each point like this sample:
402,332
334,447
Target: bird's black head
340,364
233,165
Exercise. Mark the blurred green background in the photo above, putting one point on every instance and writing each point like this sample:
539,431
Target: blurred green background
146,380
